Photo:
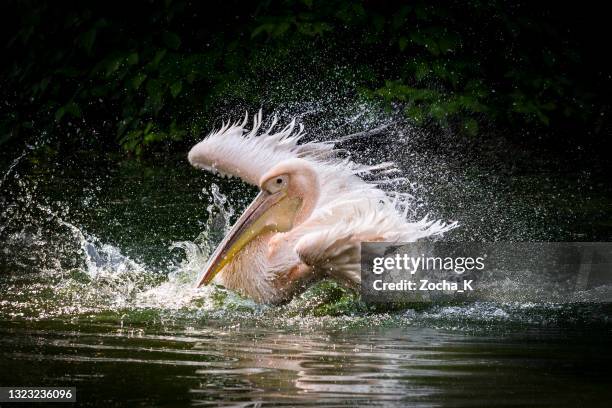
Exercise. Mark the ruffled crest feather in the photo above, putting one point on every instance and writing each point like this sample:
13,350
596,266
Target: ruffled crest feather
234,150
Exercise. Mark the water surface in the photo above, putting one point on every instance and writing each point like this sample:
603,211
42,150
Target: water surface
98,257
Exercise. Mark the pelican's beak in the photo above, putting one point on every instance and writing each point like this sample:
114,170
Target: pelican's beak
268,212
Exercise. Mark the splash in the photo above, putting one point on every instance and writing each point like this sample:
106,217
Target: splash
14,164
54,265
57,269
219,209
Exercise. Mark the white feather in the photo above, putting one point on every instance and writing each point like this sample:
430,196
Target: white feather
349,210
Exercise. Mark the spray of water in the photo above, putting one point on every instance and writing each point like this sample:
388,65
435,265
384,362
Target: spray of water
54,267
13,165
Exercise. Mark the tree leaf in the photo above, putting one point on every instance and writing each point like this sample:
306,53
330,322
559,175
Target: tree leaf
470,126
175,88
87,40
138,79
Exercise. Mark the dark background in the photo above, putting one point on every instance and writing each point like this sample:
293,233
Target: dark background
141,77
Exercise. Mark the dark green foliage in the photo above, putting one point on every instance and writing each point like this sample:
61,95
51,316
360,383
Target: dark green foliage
157,71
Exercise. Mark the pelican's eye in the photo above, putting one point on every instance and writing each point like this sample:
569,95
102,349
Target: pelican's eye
275,184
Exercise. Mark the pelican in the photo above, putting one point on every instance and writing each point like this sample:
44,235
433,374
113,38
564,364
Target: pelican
313,210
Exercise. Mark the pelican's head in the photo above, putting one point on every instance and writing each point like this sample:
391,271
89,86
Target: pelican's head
289,193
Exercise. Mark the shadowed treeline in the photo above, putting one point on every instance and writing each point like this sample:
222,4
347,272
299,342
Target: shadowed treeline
147,74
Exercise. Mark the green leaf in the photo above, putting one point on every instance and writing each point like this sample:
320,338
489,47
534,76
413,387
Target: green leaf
154,88
112,65
70,108
59,114
148,128
132,59
175,88
263,28
154,101
415,113
281,29
470,126
88,39
138,80
131,141
422,70
73,109
159,55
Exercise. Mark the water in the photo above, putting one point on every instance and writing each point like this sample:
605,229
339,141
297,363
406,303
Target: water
155,365
98,258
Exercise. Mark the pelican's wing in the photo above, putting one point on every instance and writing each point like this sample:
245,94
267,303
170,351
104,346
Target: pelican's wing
331,243
249,154
336,256
236,151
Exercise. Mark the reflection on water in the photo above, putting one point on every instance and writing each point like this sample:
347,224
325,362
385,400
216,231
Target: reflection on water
244,366
97,262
